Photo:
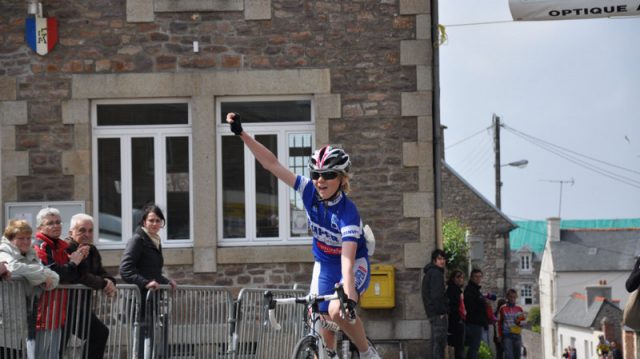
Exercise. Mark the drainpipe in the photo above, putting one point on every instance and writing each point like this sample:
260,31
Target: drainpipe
34,8
437,133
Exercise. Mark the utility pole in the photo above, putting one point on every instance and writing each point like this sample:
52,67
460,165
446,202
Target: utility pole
561,182
496,150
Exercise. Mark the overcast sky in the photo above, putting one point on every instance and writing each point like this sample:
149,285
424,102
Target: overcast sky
572,83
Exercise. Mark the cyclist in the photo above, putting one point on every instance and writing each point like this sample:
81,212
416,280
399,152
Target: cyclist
339,246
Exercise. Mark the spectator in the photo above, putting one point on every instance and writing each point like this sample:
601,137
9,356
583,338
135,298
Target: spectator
93,275
435,302
616,353
457,313
142,263
52,306
603,347
510,319
477,319
19,259
496,341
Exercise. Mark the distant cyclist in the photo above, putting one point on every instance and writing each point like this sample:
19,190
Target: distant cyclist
339,246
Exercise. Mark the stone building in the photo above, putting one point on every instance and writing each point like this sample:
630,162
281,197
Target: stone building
129,108
488,228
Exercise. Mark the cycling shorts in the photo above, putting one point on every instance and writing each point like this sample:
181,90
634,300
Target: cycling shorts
327,275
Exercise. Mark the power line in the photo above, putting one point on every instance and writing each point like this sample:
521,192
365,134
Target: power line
557,150
571,151
467,138
480,151
481,23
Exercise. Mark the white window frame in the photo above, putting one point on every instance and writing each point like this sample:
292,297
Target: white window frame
522,296
528,258
126,134
256,129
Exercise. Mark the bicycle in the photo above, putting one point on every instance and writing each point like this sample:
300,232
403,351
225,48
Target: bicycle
312,344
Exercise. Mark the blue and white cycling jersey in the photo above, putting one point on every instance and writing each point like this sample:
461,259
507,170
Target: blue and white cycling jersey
331,224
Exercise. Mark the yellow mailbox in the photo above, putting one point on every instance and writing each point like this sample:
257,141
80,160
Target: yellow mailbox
381,293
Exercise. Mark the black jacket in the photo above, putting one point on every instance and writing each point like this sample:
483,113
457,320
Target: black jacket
476,305
633,282
92,273
433,294
453,295
142,261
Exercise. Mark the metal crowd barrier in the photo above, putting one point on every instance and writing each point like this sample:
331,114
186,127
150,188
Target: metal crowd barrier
121,315
14,329
55,324
188,322
255,339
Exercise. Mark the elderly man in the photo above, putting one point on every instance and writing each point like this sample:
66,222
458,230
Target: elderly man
51,250
93,275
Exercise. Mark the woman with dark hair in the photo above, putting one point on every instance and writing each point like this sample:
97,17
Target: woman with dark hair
457,312
142,262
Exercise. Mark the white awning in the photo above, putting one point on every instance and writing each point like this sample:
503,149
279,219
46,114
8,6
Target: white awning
531,10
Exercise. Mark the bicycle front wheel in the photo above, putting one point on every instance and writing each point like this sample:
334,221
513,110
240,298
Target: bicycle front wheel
306,348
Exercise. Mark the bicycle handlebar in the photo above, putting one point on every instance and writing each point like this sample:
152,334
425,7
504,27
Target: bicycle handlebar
347,306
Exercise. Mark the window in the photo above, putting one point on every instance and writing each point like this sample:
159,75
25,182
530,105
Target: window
476,247
586,348
254,207
142,154
526,294
525,262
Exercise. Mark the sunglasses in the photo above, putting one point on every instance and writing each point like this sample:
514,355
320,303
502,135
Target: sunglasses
326,175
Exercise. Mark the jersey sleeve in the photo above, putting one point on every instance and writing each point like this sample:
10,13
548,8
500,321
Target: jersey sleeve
306,189
350,225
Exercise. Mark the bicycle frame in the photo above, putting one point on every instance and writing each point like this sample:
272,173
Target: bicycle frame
314,321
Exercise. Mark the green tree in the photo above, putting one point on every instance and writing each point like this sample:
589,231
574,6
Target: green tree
455,245
534,319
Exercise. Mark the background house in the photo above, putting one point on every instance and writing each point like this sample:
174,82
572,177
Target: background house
527,244
129,108
578,258
585,317
488,229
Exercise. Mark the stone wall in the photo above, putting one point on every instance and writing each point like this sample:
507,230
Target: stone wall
533,342
378,55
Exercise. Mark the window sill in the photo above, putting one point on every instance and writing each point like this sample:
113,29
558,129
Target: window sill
172,256
261,254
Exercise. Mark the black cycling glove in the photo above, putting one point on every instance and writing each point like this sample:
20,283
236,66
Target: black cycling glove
236,125
350,306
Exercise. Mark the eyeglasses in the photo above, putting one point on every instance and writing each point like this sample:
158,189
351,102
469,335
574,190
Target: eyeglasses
326,175
53,223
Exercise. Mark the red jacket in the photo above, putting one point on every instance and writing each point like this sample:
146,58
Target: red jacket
52,305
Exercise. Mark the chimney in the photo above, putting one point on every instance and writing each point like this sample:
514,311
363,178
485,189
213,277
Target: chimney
593,292
608,329
553,229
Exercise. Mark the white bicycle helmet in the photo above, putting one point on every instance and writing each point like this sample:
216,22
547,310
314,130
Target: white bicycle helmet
328,159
